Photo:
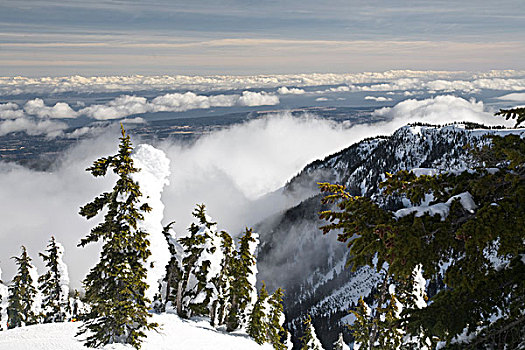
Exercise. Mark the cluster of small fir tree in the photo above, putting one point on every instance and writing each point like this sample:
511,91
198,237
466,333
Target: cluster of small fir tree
115,287
208,276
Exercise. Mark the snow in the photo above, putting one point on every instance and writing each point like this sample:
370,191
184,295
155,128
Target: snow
252,278
173,333
63,273
441,209
419,287
37,301
152,177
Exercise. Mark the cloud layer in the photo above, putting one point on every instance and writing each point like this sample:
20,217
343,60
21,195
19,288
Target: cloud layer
35,117
381,81
234,171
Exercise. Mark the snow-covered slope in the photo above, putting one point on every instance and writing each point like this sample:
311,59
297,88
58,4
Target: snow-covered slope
295,255
173,333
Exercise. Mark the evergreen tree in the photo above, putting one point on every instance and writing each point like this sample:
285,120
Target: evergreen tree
517,113
22,293
258,322
309,340
115,287
54,284
170,290
276,320
223,281
243,291
202,264
340,343
481,236
4,293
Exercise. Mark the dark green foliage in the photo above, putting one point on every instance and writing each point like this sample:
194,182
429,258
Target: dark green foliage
476,288
513,113
257,323
22,293
115,287
276,320
55,303
243,268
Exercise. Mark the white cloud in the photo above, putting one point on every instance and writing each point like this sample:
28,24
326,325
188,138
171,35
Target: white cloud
283,90
10,110
45,127
250,98
343,88
439,110
120,107
322,99
516,97
378,98
127,105
476,85
60,110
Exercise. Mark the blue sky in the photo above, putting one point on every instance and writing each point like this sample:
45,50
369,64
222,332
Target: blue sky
41,37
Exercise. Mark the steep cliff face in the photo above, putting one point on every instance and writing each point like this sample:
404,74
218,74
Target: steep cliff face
294,253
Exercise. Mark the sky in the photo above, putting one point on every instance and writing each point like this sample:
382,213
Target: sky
110,37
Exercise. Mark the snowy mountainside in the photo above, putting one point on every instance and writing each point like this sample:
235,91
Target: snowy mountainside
294,253
173,333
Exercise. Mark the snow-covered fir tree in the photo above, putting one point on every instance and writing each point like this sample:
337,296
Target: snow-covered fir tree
23,304
54,284
4,293
243,291
309,340
340,343
170,288
115,287
258,320
202,265
223,281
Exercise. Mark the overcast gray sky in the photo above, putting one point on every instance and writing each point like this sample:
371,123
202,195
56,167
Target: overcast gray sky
97,37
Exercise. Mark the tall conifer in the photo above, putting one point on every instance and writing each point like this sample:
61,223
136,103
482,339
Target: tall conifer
115,287
258,320
243,290
223,281
22,293
202,264
276,319
54,284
